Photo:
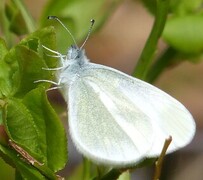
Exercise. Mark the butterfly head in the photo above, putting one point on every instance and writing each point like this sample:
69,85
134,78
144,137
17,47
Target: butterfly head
74,53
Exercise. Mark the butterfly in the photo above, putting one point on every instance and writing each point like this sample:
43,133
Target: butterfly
116,119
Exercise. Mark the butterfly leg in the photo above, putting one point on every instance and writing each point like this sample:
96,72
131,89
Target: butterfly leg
52,82
48,49
56,87
53,69
59,55
48,81
56,56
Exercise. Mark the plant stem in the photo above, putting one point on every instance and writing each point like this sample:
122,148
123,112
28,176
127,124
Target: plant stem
161,63
41,167
86,168
27,17
46,171
113,174
150,47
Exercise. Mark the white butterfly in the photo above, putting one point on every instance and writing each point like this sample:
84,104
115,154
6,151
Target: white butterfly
116,119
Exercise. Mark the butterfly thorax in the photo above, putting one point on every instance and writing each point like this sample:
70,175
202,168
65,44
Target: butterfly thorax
72,65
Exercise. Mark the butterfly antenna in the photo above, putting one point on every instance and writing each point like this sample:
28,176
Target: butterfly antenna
89,32
56,18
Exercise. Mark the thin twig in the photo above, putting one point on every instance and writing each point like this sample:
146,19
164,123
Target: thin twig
40,166
24,153
159,162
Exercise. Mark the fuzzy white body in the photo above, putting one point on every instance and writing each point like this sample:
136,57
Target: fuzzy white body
116,119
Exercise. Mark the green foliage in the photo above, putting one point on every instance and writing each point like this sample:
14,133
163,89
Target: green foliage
28,118
183,7
4,73
184,33
26,170
183,30
22,65
178,7
6,171
16,22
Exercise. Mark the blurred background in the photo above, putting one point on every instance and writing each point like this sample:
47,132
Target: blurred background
119,44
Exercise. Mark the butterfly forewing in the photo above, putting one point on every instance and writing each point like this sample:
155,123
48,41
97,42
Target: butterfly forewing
105,125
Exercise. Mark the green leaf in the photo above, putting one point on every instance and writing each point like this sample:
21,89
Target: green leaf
76,14
31,59
185,33
46,37
22,65
3,49
26,170
183,7
34,126
11,68
18,176
5,85
17,23
178,7
21,128
51,131
30,70
6,171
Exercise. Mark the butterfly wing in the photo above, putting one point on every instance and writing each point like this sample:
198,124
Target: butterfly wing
116,119
105,125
